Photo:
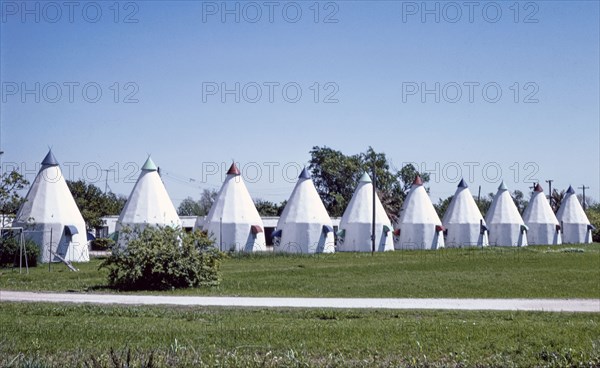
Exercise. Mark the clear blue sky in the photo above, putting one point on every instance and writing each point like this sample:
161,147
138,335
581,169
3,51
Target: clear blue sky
373,58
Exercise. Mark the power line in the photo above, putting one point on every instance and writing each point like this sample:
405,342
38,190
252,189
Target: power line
190,182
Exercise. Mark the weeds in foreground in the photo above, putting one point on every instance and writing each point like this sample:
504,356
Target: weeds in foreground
247,357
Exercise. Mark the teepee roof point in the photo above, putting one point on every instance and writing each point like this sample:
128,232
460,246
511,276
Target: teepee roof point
365,178
149,165
233,170
50,160
304,174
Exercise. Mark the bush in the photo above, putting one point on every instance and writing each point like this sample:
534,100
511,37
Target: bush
10,251
572,250
163,258
594,217
102,243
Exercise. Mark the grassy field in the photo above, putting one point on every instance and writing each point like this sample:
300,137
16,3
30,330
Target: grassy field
530,272
56,335
70,335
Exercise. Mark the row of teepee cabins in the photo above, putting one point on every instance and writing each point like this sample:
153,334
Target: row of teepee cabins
55,223
504,226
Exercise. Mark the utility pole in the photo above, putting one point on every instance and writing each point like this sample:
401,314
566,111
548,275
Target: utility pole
549,181
479,194
584,188
221,234
106,180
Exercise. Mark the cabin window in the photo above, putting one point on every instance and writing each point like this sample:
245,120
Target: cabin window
102,232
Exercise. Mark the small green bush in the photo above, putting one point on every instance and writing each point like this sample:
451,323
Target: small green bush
10,250
593,215
161,258
102,243
572,250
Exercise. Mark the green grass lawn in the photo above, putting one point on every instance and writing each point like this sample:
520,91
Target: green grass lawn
70,335
530,272
57,335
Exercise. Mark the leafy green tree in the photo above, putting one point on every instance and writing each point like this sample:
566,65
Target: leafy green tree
266,208
407,174
281,207
442,206
336,175
519,199
208,197
201,207
484,203
190,207
11,183
93,203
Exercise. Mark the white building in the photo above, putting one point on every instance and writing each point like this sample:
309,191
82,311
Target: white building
233,221
304,226
51,218
463,221
505,225
148,204
419,226
574,223
543,227
356,225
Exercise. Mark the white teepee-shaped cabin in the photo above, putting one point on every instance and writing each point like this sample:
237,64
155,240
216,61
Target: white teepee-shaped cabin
51,217
233,220
463,221
540,219
304,225
505,225
576,227
419,226
148,204
356,225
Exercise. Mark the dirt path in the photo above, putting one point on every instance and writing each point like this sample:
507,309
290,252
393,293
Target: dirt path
547,305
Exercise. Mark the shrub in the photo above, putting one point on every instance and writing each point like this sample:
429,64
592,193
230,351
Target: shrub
594,217
163,258
572,250
10,251
102,243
